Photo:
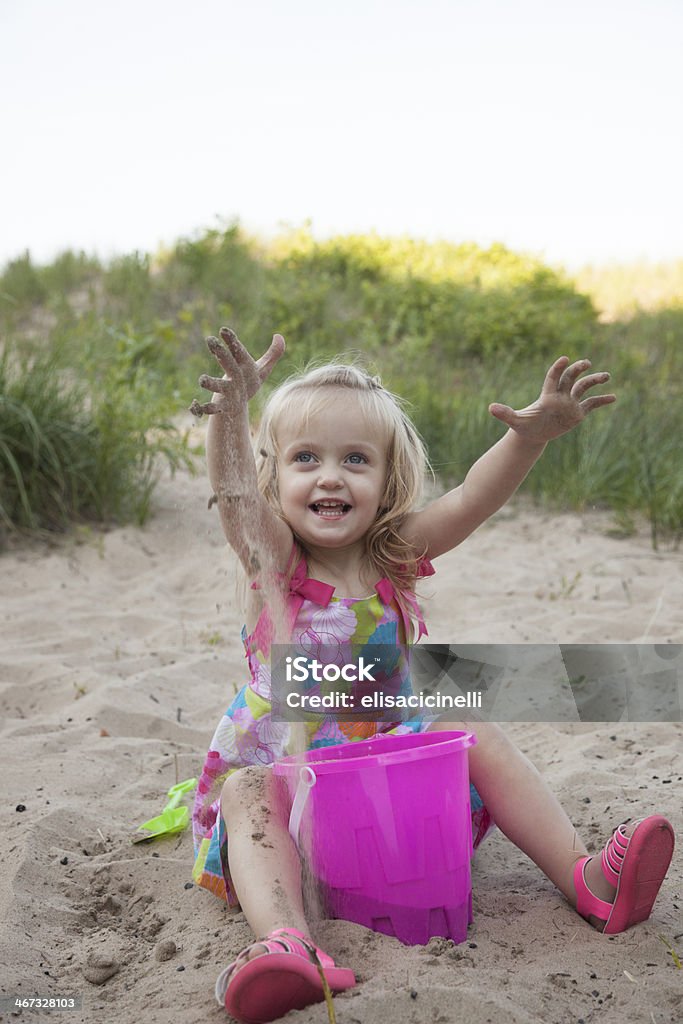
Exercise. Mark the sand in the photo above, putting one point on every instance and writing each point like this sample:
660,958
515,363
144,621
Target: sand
119,652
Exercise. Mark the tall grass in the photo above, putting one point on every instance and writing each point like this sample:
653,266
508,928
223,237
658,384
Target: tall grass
69,454
450,327
624,457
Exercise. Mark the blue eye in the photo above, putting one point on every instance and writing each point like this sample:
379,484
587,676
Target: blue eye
303,457
356,459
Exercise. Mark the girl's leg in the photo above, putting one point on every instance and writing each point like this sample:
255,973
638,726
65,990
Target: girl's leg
527,812
264,863
279,972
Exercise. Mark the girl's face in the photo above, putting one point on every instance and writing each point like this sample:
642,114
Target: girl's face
332,474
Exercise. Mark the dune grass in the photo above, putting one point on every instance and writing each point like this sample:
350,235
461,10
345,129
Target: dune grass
68,454
451,328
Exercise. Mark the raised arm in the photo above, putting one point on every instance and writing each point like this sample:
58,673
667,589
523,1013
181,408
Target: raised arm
257,535
495,477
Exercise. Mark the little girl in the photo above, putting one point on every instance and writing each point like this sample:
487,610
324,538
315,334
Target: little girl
325,523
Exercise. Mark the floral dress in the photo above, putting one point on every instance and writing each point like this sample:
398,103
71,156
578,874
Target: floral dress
247,733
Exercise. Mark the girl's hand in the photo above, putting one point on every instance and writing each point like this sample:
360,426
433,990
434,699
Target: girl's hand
559,407
243,374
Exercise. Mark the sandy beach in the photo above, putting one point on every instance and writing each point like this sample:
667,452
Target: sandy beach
119,652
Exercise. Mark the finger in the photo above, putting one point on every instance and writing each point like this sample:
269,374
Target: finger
571,374
552,377
591,381
267,361
234,344
222,353
197,409
504,413
594,403
219,385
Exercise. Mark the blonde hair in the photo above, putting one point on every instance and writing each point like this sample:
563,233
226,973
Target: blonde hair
305,395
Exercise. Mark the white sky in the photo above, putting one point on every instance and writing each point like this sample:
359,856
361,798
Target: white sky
550,125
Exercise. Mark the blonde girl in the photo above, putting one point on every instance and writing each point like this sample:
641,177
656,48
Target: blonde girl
325,518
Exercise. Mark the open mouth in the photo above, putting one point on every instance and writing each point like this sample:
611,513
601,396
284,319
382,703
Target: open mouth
330,509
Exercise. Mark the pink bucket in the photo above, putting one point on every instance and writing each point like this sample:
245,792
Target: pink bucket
386,828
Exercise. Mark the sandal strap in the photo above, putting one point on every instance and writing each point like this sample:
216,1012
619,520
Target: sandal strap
613,853
611,860
287,940
588,903
297,941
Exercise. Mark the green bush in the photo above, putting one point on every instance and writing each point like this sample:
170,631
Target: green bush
68,453
461,301
449,327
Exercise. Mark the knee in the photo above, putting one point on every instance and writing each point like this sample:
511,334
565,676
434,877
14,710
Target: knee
244,786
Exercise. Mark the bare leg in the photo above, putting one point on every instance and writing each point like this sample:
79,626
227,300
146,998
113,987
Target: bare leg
527,812
266,874
264,862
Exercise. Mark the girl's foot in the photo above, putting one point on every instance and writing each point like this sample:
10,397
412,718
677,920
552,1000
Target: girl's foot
282,972
618,888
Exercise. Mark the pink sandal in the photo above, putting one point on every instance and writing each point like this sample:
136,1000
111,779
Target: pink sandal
291,974
636,865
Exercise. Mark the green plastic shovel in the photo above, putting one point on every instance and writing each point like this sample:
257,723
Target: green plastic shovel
172,819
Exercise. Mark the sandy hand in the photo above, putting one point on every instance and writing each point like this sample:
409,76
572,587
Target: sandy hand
244,375
559,407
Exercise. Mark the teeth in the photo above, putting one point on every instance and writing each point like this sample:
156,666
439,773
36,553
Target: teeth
329,508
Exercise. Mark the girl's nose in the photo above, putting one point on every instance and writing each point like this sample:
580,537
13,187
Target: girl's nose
329,478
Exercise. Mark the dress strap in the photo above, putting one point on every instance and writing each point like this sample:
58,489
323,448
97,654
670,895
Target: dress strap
387,592
425,568
300,588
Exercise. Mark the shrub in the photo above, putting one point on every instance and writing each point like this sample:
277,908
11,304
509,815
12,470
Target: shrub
449,327
69,454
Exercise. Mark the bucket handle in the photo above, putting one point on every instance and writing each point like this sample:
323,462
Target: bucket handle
307,780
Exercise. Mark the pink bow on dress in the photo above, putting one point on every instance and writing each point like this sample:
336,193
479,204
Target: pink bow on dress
387,593
303,588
